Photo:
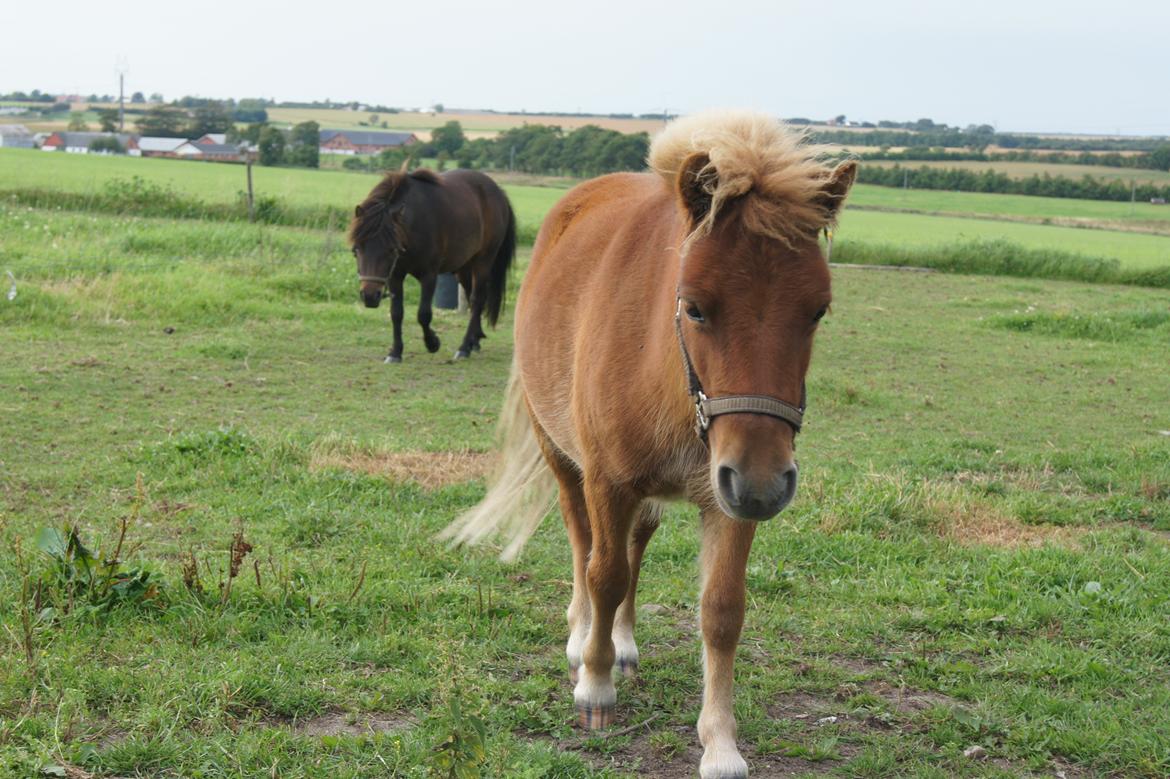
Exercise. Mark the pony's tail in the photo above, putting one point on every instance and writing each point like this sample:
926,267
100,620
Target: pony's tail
522,489
500,266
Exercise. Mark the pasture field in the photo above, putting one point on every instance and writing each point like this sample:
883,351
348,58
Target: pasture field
1134,250
26,169
1069,212
1023,170
979,553
221,183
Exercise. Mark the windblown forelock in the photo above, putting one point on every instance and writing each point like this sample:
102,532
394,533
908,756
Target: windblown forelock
372,217
777,173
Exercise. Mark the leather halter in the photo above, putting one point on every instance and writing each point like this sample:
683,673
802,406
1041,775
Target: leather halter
706,408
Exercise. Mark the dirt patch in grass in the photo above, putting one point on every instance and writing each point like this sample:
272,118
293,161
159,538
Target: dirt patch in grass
908,701
799,705
430,470
974,524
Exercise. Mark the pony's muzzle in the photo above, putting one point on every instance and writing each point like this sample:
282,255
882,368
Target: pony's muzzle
753,499
371,295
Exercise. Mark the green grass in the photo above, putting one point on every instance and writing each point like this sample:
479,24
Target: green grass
978,553
1002,258
30,169
1133,250
1092,213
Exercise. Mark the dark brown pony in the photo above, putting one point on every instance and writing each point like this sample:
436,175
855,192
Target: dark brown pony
663,334
424,224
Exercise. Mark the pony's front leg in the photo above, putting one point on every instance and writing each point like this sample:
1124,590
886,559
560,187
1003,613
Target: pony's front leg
611,510
396,313
425,312
726,543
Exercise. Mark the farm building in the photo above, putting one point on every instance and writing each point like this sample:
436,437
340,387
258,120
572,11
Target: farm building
151,146
79,143
215,139
362,141
16,136
209,152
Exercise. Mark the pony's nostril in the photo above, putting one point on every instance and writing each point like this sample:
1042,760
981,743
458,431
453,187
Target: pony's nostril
731,484
787,487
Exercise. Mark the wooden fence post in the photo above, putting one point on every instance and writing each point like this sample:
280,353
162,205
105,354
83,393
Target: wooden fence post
251,200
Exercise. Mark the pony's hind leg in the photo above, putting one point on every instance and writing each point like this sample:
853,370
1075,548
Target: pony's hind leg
571,498
476,301
396,312
425,313
611,512
726,543
623,630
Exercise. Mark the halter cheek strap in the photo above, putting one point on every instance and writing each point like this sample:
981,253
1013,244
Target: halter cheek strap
706,408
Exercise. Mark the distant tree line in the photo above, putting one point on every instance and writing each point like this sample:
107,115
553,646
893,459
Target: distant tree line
299,146
35,96
960,180
193,117
547,149
1158,159
533,148
979,137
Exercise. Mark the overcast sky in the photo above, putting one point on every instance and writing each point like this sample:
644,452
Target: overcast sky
1039,65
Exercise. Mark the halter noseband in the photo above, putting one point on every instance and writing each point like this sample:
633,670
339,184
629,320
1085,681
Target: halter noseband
706,408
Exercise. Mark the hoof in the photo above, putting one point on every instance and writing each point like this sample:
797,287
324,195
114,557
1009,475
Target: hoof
628,668
433,344
392,358
595,717
724,765
462,354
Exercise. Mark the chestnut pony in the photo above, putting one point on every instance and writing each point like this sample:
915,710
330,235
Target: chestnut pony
663,333
424,224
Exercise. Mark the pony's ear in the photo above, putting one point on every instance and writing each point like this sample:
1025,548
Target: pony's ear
837,187
697,180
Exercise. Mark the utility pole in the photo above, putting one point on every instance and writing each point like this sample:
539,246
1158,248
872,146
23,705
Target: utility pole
121,69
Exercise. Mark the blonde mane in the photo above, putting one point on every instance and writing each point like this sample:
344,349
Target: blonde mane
756,155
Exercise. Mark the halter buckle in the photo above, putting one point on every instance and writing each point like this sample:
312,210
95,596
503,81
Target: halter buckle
702,421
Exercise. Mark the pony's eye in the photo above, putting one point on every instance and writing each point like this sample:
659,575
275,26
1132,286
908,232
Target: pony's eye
693,313
821,314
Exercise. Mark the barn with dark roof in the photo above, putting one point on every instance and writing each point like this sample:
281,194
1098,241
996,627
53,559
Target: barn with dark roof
363,141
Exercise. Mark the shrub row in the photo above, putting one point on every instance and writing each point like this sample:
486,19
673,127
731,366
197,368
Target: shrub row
961,180
1157,160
